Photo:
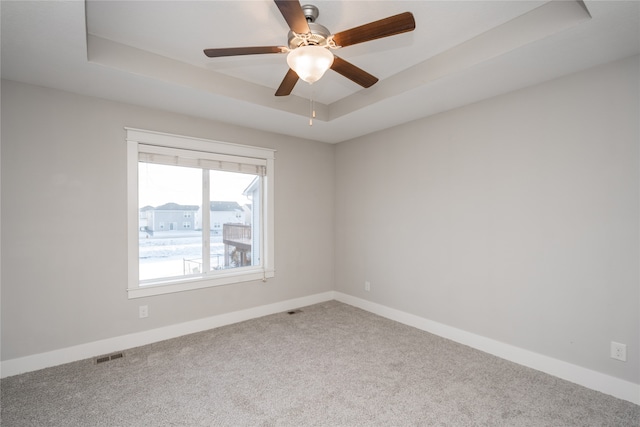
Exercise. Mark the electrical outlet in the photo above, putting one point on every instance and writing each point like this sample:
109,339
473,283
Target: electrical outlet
618,351
143,311
367,286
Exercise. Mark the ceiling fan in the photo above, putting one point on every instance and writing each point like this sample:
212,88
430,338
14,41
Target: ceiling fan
310,45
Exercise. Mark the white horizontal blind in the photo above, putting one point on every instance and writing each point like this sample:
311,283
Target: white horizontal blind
201,159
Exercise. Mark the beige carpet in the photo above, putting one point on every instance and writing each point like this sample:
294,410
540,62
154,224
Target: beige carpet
329,365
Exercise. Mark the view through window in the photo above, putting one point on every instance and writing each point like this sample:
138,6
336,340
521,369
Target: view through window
173,238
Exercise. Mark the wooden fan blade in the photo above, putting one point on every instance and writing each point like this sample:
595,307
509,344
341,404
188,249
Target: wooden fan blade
236,51
288,83
352,72
386,27
292,12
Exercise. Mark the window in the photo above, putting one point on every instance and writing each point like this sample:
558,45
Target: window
226,189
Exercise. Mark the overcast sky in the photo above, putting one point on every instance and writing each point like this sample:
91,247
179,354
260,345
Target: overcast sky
160,184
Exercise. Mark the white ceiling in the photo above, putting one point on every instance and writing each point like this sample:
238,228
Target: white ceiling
150,53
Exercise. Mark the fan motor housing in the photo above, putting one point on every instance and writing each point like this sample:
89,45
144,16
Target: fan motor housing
318,36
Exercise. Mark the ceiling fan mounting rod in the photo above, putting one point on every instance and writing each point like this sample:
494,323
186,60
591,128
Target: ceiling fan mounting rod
311,12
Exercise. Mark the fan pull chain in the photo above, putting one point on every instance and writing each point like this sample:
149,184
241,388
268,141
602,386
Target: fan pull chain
312,111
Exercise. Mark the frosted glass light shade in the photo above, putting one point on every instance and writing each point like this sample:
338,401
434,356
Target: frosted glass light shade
310,62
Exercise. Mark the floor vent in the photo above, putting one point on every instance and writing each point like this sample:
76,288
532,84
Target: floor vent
116,356
294,311
109,357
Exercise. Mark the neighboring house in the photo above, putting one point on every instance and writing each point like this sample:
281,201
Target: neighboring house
246,209
168,217
253,193
242,240
143,217
221,213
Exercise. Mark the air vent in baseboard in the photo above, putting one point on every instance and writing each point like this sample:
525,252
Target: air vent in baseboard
109,357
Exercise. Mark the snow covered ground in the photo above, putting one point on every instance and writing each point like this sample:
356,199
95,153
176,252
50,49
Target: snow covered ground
175,253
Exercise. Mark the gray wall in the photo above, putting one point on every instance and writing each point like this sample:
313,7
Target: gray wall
515,218
64,213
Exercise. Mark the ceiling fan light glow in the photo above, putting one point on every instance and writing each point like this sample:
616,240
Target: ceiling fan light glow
310,62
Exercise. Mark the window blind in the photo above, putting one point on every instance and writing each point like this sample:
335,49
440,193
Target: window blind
201,159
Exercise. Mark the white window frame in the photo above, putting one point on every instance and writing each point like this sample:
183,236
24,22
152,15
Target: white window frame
137,139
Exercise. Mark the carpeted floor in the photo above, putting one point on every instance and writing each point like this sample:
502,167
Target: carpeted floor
329,365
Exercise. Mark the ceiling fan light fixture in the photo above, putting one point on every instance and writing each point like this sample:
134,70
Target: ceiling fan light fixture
310,62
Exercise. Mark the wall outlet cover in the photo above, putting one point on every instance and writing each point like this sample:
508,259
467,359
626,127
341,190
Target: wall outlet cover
618,351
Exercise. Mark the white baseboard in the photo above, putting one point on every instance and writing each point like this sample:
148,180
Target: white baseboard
85,351
585,377
576,374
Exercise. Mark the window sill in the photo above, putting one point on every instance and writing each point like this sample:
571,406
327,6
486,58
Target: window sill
189,284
